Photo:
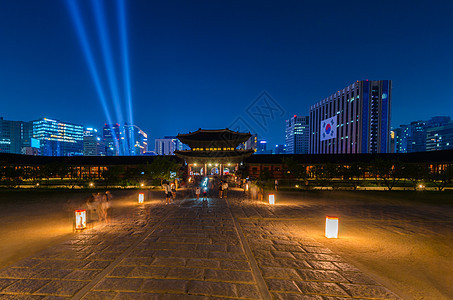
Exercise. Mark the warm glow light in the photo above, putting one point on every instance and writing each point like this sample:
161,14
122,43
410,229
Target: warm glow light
247,187
272,199
297,185
80,219
141,197
142,185
91,184
331,227
37,184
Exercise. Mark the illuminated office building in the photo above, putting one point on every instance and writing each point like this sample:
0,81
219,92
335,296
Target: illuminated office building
167,145
112,135
125,140
297,135
440,137
93,144
135,139
421,136
58,138
355,119
15,136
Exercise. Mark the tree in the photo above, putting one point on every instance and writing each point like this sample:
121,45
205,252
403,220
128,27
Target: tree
352,173
112,175
11,175
325,173
296,170
160,169
46,171
389,171
60,169
414,173
442,178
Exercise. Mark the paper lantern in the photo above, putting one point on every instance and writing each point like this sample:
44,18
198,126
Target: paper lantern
80,219
331,227
272,199
141,197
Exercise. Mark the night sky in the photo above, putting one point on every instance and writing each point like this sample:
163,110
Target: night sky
204,63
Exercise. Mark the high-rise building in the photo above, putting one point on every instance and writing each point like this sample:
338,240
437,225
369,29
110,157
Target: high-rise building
112,135
401,138
15,136
262,146
280,149
355,119
297,135
93,144
414,137
440,137
167,145
416,141
58,138
125,139
136,140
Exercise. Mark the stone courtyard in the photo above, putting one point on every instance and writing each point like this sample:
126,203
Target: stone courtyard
226,248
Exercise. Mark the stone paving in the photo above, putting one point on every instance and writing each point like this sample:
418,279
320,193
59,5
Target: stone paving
191,250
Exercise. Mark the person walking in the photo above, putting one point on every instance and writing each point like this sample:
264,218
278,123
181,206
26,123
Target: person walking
225,189
221,189
276,184
205,194
99,206
167,192
91,207
107,206
197,192
173,191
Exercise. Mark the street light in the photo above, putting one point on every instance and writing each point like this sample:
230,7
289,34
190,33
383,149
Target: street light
142,184
91,184
331,227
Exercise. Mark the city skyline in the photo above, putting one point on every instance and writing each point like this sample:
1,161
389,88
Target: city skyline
188,62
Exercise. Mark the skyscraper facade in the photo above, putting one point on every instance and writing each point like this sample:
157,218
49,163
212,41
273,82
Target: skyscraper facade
93,144
297,135
355,119
58,138
15,136
135,139
167,145
280,149
112,135
420,136
440,137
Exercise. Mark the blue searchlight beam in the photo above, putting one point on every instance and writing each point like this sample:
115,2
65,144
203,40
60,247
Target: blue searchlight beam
88,54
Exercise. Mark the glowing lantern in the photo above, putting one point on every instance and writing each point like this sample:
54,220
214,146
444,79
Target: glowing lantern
331,227
80,219
247,187
141,197
272,199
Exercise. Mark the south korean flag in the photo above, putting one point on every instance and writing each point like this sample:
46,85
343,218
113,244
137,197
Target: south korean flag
329,128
